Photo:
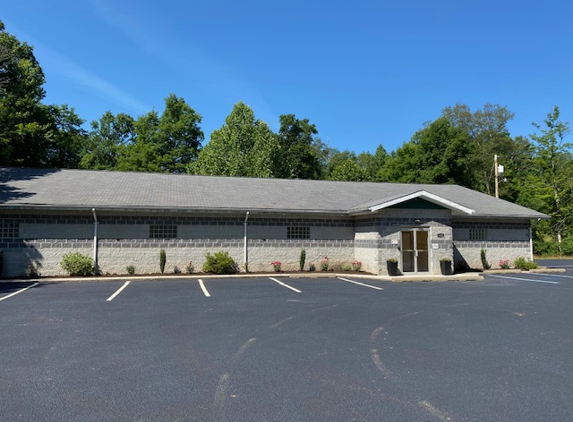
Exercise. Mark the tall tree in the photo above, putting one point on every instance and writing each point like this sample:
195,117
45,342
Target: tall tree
243,146
487,130
24,121
66,137
296,139
439,153
107,141
551,178
166,143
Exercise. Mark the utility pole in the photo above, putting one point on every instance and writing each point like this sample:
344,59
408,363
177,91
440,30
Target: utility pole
498,171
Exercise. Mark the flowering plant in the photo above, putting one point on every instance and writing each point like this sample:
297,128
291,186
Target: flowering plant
356,265
277,266
324,264
504,264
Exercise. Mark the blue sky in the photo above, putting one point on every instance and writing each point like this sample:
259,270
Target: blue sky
364,72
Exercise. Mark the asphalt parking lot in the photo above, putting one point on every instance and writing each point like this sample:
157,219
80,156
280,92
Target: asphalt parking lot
281,349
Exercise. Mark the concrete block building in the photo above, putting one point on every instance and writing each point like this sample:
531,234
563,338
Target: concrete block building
125,218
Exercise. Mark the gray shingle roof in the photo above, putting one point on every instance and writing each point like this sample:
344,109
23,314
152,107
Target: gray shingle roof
69,189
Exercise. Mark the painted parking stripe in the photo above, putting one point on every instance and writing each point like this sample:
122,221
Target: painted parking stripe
205,291
360,284
285,285
525,279
18,292
112,297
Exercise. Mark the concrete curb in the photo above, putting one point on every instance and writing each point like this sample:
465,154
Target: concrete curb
546,270
317,275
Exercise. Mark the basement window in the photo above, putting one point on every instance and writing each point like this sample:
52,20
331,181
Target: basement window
163,231
478,234
9,230
298,232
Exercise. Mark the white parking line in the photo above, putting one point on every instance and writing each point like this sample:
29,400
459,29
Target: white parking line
360,284
524,279
109,299
19,291
205,292
285,285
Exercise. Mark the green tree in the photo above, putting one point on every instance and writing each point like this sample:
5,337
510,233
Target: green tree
243,146
107,140
439,153
24,121
166,143
487,130
550,179
296,138
66,137
344,166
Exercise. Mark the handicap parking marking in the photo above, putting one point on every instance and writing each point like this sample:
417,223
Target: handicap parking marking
360,284
285,285
118,291
524,279
18,292
205,291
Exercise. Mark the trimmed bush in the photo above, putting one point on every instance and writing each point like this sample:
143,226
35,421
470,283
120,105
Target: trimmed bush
302,259
484,262
190,268
346,267
76,264
162,260
524,264
220,263
130,269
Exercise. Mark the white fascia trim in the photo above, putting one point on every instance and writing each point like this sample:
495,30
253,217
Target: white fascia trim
438,200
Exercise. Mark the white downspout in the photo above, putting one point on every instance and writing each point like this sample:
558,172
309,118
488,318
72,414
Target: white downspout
530,243
95,240
246,252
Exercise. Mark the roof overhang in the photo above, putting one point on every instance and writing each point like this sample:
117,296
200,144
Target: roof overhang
430,197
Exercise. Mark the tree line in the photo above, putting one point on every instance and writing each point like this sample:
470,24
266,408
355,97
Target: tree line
456,148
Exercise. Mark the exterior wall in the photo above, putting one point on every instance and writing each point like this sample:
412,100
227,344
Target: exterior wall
379,238
42,240
504,240
125,240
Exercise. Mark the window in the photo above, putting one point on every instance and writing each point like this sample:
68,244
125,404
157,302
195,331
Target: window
478,234
9,230
163,231
298,232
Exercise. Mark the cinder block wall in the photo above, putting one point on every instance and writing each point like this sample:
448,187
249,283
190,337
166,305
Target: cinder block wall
123,240
42,240
379,238
502,240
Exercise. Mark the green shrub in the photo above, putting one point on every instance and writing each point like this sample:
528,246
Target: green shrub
484,262
190,268
567,246
324,265
33,270
220,263
346,267
546,248
162,260
76,264
356,265
130,269
302,259
524,264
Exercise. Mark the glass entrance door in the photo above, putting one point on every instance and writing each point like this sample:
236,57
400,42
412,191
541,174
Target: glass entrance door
415,251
